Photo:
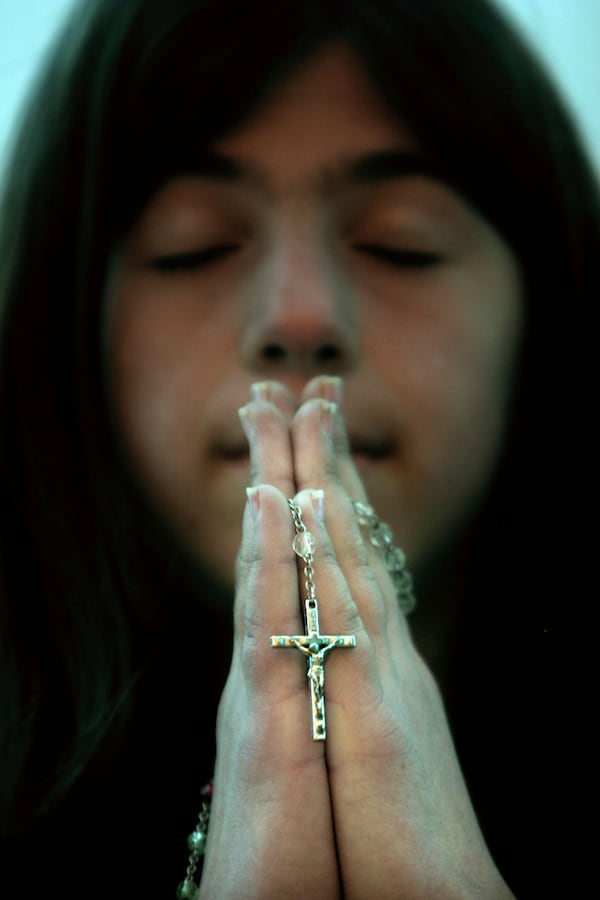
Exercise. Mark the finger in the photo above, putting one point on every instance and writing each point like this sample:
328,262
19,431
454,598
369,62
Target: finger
267,603
350,672
267,429
386,558
267,597
330,388
340,610
271,782
317,434
276,393
327,387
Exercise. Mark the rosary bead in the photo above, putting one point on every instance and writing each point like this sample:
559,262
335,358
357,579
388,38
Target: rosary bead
365,514
187,890
381,536
303,544
207,792
395,559
197,842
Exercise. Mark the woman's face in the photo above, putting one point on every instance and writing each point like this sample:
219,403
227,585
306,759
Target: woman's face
309,243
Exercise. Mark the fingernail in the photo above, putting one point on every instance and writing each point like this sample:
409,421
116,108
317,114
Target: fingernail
331,388
318,502
261,390
247,421
328,414
253,495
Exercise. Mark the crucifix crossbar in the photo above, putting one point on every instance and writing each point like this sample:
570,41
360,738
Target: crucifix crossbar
315,647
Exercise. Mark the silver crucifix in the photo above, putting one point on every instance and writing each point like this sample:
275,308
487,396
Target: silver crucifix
313,645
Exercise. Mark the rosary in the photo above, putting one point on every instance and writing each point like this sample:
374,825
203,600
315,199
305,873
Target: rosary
314,645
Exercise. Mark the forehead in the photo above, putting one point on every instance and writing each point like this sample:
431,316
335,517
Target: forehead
316,122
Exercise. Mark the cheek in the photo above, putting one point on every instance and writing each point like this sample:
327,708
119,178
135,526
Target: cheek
146,364
164,349
449,359
478,358
451,366
163,359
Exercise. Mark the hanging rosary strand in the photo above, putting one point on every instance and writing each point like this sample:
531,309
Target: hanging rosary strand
313,645
188,889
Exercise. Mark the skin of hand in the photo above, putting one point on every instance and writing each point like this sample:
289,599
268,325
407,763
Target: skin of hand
381,808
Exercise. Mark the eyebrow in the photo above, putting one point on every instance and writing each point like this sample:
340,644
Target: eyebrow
371,168
388,164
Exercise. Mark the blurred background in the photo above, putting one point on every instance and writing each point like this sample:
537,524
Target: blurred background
565,32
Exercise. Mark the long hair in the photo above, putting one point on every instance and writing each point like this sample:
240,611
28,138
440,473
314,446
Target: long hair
128,95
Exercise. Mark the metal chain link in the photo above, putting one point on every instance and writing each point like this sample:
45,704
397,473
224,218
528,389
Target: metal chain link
188,889
303,549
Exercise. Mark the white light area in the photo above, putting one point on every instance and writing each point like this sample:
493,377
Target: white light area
26,29
566,34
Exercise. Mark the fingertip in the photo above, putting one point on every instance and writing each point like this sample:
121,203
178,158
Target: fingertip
316,409
262,390
267,500
266,521
327,387
275,393
328,417
311,502
246,418
253,501
317,497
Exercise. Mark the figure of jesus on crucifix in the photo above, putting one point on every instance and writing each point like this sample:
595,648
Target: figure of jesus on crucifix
315,647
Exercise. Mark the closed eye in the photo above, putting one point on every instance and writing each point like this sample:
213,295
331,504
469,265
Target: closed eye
398,257
193,259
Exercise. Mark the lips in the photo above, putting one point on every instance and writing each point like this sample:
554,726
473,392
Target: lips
232,451
371,447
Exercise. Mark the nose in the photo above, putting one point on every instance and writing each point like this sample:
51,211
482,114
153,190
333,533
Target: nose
303,315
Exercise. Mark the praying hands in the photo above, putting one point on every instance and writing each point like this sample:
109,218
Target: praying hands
380,808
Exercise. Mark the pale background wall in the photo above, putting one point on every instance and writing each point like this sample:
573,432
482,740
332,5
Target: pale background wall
566,32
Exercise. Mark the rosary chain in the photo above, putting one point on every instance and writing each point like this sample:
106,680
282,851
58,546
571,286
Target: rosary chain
188,889
306,553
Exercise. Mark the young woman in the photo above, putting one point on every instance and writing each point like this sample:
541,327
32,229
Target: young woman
216,206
